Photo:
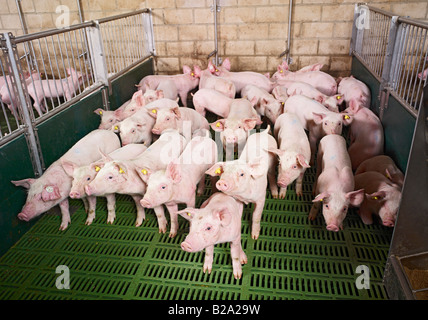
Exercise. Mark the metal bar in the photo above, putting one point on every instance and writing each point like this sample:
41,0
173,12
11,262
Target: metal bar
97,55
31,137
124,15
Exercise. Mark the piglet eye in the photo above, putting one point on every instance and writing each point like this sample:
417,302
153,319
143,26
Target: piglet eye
88,178
110,177
208,228
242,174
163,187
326,206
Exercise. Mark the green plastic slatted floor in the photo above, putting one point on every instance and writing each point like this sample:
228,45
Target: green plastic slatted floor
293,258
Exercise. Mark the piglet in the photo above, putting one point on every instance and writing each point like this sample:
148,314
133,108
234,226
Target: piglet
209,81
266,104
217,221
246,178
85,174
235,128
177,184
366,132
184,83
384,165
280,93
382,198
283,68
165,89
294,152
318,79
186,120
317,119
124,176
331,102
213,101
42,89
354,89
242,78
54,186
335,183
7,94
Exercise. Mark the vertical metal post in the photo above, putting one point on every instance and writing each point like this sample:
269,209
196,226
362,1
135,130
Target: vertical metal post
98,59
289,32
148,32
215,8
387,63
12,60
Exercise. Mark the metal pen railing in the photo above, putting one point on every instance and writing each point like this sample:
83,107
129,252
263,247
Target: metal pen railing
394,49
44,73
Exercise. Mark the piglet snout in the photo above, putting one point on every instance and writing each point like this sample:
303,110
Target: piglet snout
186,246
74,195
222,185
333,227
156,131
23,216
231,139
388,223
145,203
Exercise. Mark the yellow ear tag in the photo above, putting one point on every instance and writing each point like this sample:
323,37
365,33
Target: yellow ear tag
154,111
101,112
282,103
388,176
338,97
280,71
216,70
121,170
192,74
116,128
321,200
189,214
375,198
346,117
144,171
217,171
218,124
97,168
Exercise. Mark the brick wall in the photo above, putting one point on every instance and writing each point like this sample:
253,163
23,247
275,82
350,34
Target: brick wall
252,33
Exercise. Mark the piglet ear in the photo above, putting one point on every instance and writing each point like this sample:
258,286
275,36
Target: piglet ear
257,168
186,69
355,197
223,215
105,157
99,112
96,166
318,117
347,118
218,125
249,123
339,98
173,172
197,70
115,128
144,173
50,193
216,170
376,196
302,161
26,183
68,167
276,151
188,213
176,112
226,64
211,67
138,97
321,197
160,94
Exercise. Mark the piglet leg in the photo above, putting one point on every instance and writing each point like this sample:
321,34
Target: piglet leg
140,210
65,212
238,257
172,209
111,208
257,215
209,257
160,215
92,202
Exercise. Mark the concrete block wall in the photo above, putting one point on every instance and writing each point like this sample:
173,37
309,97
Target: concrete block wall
252,33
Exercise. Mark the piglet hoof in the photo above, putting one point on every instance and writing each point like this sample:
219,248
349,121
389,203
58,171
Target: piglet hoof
207,268
172,234
243,258
255,236
237,274
282,193
89,221
64,225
